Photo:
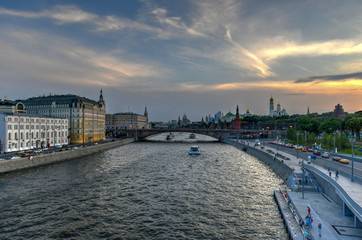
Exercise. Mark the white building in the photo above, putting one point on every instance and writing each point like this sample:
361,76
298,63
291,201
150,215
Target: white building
21,132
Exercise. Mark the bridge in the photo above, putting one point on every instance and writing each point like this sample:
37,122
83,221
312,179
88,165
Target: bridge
220,134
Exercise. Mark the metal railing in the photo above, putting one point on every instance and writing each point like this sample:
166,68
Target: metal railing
355,208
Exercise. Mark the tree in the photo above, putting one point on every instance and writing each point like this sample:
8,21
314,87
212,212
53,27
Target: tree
354,124
304,124
291,134
329,125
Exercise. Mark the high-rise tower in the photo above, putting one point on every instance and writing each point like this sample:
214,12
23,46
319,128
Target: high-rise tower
271,106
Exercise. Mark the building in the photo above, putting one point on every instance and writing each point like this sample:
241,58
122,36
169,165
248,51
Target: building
86,117
278,111
127,120
21,132
339,112
237,120
8,106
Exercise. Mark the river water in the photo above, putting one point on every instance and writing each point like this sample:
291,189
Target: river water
144,191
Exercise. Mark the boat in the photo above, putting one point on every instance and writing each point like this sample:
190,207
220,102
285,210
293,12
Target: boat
169,137
194,150
192,136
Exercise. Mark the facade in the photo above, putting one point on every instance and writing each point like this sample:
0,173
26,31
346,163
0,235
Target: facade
86,118
237,120
339,112
22,132
8,106
127,120
278,111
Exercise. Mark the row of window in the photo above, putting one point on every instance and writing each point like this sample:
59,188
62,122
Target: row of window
32,144
22,119
27,135
43,127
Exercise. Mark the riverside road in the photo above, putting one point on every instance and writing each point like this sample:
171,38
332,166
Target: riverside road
324,162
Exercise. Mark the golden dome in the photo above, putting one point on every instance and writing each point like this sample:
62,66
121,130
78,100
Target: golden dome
278,104
271,99
247,111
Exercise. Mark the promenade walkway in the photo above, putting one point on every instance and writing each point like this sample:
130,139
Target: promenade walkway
334,224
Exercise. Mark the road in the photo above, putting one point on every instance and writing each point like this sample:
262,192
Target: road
323,162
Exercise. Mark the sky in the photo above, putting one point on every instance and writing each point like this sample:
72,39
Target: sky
194,57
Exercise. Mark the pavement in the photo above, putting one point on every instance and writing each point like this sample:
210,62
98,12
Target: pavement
325,211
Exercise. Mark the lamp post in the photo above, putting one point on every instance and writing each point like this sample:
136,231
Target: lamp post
352,176
334,142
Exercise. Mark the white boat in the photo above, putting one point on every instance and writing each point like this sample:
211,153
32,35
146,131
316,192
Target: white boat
194,150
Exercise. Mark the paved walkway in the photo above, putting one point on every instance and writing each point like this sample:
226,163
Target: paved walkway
334,224
353,189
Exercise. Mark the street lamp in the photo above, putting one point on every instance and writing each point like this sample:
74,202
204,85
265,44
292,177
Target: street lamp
334,142
352,176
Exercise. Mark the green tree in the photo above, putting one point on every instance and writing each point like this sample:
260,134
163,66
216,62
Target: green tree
329,125
291,134
354,124
304,123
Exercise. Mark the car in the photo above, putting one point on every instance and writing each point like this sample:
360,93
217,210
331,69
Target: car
316,152
344,161
336,159
326,155
305,149
310,149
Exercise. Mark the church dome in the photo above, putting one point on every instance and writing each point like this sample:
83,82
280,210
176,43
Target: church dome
271,99
247,111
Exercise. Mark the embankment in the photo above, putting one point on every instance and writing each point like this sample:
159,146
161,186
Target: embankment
40,160
285,172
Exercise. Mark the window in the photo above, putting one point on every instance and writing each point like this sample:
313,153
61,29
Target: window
9,136
16,136
15,126
21,136
27,135
9,127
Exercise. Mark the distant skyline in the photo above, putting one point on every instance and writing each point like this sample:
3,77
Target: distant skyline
193,57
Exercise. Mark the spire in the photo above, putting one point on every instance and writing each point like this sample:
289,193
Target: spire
101,100
237,110
146,113
308,111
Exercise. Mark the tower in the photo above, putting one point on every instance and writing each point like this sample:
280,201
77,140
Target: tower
271,106
279,110
101,100
237,120
146,112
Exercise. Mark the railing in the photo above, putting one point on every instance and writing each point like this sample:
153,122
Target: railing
356,209
295,212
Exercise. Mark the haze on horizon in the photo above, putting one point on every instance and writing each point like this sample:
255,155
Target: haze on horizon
193,57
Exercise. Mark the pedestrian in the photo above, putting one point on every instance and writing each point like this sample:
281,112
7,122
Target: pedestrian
308,210
320,229
301,223
330,174
336,175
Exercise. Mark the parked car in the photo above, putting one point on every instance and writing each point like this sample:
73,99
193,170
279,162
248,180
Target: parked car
336,159
345,161
310,149
305,149
326,155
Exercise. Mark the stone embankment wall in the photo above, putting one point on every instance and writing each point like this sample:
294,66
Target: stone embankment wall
45,159
285,172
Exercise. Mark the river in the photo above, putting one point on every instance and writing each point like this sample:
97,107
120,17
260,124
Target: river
144,190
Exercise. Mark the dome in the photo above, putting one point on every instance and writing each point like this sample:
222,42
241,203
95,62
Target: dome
271,99
247,111
278,104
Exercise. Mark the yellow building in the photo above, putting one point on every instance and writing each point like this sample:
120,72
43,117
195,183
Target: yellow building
86,117
127,120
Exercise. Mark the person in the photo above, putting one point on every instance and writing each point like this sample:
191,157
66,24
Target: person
320,229
308,210
330,174
301,223
336,175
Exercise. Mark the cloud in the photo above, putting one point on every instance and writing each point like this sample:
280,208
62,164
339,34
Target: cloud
333,47
48,58
339,77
